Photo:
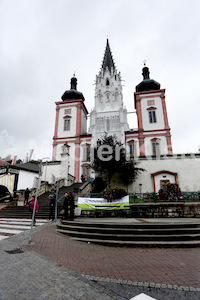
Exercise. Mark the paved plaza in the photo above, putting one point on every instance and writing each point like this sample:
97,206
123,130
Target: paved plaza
55,267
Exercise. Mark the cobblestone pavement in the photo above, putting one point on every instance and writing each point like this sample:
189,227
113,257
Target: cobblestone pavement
55,267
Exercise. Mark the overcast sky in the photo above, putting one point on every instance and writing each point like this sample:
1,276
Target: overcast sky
42,43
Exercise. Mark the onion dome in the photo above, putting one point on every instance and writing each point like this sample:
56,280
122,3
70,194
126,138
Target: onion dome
147,84
72,94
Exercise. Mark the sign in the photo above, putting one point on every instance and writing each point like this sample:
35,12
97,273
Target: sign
101,203
2,171
13,171
36,183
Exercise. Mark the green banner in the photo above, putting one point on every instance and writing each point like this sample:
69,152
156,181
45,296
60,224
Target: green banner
100,203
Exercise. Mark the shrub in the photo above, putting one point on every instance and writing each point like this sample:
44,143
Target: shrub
170,192
113,194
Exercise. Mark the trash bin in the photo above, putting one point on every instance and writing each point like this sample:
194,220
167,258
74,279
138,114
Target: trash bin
77,212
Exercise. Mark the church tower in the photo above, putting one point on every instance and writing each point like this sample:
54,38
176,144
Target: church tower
153,128
71,128
109,115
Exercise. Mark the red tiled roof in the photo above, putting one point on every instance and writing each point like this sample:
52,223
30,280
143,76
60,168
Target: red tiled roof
3,162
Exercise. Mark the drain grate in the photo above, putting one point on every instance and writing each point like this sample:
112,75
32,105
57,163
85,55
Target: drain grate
15,251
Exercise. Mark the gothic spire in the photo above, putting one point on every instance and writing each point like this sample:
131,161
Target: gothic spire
108,59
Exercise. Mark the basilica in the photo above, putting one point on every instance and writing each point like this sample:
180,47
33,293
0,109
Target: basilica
150,143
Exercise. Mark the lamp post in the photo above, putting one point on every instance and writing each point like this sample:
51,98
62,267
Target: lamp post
45,174
140,185
36,195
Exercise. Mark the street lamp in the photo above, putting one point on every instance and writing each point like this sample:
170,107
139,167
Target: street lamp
140,185
45,174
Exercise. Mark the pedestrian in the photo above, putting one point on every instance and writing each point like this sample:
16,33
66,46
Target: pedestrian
32,208
71,205
26,196
66,206
52,202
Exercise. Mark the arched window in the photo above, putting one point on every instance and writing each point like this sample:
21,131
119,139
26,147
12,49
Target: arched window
155,146
67,122
86,152
107,82
132,149
152,114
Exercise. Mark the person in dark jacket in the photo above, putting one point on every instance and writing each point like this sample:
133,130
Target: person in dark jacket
66,206
52,202
26,196
71,205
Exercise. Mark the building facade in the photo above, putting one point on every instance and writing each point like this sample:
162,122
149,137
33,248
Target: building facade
152,138
110,116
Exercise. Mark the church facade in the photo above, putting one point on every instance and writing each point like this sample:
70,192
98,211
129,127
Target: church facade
152,138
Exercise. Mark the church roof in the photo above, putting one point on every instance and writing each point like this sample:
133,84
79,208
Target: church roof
147,84
72,94
108,59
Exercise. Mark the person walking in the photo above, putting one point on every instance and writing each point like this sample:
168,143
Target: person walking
52,203
32,207
26,196
71,205
66,206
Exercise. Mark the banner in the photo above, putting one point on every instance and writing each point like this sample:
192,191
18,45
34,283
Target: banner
101,203
14,160
31,153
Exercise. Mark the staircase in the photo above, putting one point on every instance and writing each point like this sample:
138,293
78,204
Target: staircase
22,212
133,235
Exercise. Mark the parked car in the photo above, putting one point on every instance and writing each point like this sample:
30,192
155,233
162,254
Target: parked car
5,195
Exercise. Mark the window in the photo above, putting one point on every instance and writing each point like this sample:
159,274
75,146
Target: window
86,153
150,102
155,147
152,116
85,172
67,111
131,147
108,125
107,82
66,124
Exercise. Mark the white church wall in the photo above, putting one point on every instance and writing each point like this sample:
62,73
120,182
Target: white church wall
51,169
72,131
159,114
83,122
25,180
71,158
187,169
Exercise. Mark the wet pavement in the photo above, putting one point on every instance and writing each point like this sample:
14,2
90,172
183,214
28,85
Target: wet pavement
55,267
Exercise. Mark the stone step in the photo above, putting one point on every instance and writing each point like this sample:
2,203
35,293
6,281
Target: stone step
132,230
132,233
132,237
145,244
131,225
